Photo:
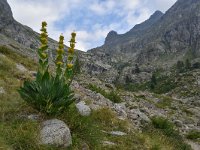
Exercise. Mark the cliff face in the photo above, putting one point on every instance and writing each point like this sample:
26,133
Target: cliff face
6,16
175,33
18,36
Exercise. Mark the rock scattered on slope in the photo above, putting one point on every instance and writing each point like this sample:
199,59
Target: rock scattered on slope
21,68
108,143
55,132
83,109
117,133
33,117
2,91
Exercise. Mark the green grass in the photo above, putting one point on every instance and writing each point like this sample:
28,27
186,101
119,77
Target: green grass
163,124
167,128
15,133
156,139
113,95
19,134
134,87
108,121
164,102
84,129
187,111
16,57
193,135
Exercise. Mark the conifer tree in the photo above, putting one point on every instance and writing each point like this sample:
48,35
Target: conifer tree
153,81
180,66
187,64
137,69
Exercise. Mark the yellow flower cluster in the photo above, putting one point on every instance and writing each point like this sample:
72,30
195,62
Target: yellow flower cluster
42,51
60,52
63,69
43,38
71,51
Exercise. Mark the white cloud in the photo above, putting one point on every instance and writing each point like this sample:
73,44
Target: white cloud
102,8
33,12
163,5
130,4
133,19
86,39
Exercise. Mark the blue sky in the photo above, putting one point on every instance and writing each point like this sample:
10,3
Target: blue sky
91,19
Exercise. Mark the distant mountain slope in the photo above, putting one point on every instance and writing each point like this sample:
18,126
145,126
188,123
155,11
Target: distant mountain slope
176,31
113,38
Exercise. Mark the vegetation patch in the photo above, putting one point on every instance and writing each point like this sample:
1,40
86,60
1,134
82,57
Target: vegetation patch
168,129
193,135
159,84
113,95
84,129
16,57
164,102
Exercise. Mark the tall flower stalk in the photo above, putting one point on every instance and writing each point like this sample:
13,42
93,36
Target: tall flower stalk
59,58
42,51
70,57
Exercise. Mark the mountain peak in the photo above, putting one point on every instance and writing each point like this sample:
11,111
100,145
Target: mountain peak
113,36
110,36
148,23
6,15
156,14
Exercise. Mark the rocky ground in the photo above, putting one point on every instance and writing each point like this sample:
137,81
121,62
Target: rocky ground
138,107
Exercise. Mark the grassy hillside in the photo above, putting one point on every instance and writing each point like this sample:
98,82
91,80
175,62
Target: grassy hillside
18,132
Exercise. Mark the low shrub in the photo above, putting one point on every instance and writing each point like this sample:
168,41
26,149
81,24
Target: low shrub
193,135
161,123
113,95
159,84
164,84
166,126
164,102
134,87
